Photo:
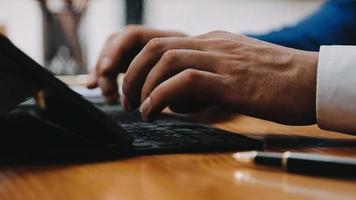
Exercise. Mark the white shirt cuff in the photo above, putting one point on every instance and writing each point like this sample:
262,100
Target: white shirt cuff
336,89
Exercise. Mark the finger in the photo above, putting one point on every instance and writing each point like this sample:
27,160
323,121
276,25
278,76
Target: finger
112,99
93,75
175,61
113,52
189,84
108,86
92,81
145,60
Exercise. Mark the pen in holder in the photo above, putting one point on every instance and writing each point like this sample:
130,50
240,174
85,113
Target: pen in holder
64,41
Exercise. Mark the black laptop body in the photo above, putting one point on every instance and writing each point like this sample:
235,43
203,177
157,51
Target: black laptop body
64,125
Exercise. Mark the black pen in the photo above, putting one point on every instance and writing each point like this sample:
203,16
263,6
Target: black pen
303,163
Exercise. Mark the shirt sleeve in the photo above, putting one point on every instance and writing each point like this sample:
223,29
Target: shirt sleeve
336,89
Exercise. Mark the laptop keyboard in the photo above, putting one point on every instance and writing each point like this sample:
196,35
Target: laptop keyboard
171,133
163,133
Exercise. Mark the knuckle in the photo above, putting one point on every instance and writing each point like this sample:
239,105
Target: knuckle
154,44
111,37
211,34
190,76
170,56
130,32
217,32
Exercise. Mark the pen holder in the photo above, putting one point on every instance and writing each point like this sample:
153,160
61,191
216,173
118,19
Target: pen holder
64,41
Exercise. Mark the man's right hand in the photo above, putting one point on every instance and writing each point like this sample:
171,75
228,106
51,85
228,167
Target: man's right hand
117,54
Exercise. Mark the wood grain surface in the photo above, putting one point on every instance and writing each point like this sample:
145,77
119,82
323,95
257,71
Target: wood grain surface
215,176
180,176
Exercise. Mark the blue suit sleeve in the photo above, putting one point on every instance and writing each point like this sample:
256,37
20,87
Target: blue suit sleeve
334,23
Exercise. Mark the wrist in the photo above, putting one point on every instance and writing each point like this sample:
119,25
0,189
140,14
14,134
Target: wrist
306,64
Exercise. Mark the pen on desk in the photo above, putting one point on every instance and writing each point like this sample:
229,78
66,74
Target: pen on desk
302,163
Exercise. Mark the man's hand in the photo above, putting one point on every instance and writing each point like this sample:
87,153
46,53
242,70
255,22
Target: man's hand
117,54
221,69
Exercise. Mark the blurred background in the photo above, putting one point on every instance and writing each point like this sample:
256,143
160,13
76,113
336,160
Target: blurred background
66,35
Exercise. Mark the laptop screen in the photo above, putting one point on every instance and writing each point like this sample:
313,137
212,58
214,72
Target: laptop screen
21,77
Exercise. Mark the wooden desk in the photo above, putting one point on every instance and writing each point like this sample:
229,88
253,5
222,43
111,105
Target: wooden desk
185,176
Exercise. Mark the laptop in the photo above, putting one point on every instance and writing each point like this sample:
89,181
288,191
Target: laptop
64,125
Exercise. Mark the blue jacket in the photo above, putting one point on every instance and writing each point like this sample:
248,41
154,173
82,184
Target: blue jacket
334,23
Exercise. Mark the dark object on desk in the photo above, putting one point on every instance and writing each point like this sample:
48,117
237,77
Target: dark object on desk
95,133
303,163
297,141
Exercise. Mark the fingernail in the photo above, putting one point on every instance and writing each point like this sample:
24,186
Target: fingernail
144,108
121,93
123,100
91,80
105,63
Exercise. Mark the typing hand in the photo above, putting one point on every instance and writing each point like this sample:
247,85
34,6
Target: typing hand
117,54
221,69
